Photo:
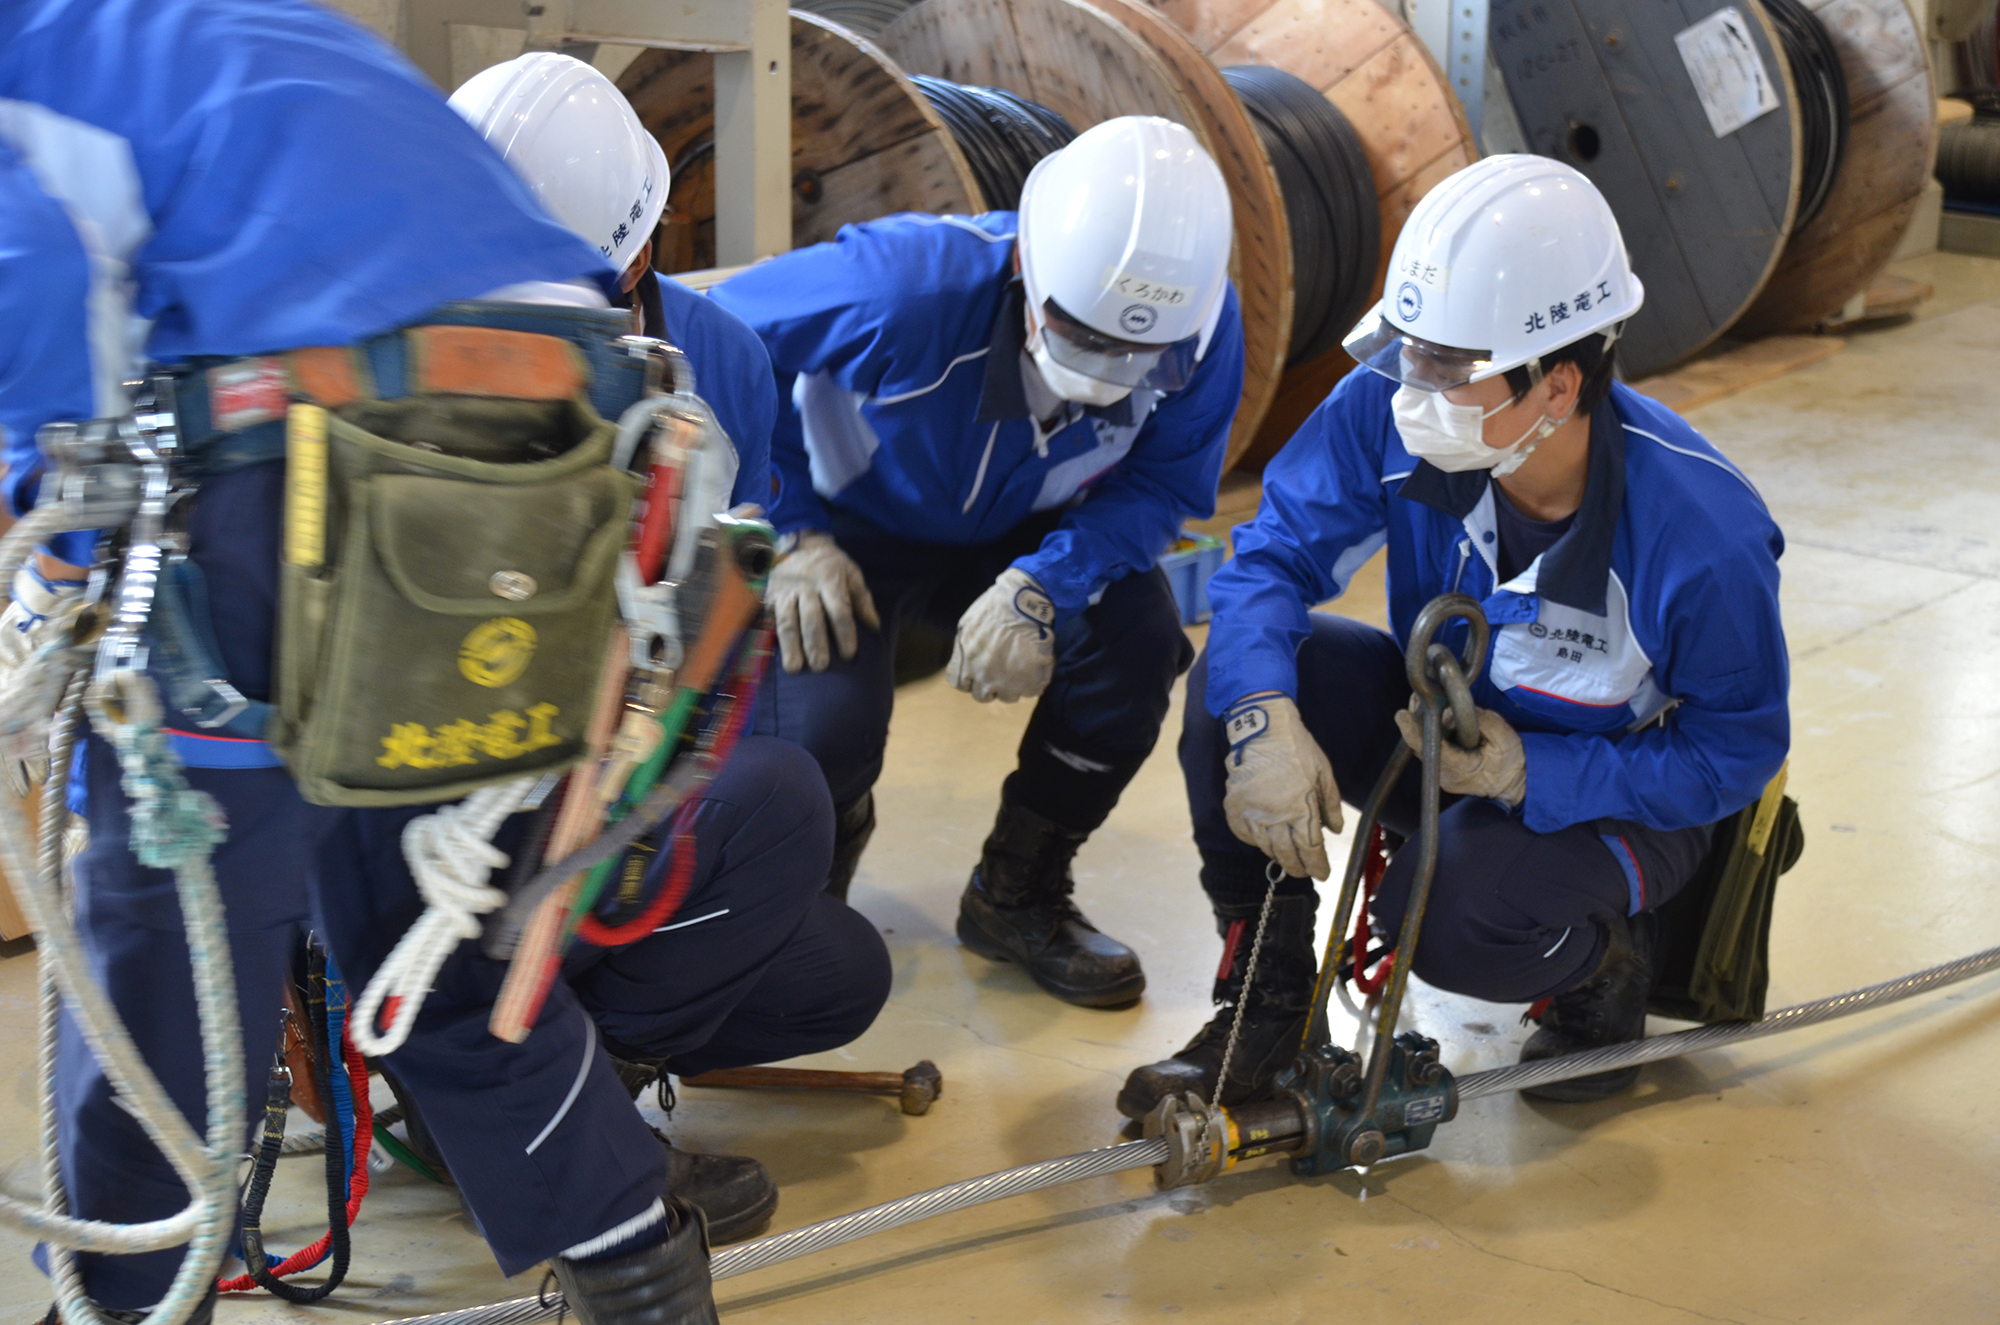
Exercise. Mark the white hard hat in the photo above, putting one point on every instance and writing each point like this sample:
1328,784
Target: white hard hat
1507,260
1124,243
572,137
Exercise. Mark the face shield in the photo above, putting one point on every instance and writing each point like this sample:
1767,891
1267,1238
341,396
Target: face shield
1413,361
1129,364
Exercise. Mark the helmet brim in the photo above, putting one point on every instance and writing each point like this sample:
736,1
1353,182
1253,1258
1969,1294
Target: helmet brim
1133,364
1381,346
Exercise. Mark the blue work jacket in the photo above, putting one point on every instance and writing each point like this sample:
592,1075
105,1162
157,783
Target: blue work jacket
226,177
731,372
898,354
1641,657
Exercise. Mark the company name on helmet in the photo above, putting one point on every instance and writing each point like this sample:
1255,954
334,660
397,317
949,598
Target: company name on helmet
1561,310
624,229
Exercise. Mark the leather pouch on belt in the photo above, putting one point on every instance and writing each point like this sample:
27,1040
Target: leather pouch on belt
447,594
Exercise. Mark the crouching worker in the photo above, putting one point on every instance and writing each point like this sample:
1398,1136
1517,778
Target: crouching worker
1635,689
760,963
1000,422
309,190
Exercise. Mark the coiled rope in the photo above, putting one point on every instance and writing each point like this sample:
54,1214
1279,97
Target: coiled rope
1001,135
767,1251
1330,203
1822,90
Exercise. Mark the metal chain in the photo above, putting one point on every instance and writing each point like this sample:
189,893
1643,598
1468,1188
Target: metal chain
1272,873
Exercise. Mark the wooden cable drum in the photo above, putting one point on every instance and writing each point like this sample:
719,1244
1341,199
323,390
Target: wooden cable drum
1090,62
865,142
1375,72
1891,143
1705,185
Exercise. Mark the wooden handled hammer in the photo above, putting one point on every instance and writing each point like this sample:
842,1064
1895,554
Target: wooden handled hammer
916,1086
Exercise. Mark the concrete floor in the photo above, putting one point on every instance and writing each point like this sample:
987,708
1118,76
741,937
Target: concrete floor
1842,1174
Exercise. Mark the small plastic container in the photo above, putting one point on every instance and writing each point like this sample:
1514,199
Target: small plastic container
1188,564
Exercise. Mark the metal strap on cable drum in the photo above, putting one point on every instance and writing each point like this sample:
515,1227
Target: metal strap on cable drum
1330,203
1683,114
1001,135
1822,91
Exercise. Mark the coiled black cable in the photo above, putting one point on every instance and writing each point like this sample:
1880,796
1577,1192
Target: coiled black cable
1968,161
1330,202
867,17
1001,135
1822,89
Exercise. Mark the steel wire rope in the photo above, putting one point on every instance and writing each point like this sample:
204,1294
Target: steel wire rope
1001,135
1330,203
777,1247
1823,108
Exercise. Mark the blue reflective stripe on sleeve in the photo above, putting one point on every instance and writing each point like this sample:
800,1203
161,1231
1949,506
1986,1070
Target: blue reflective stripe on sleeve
222,751
1635,881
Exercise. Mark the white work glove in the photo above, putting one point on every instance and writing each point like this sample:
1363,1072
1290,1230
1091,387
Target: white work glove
1281,790
42,611
814,590
1006,645
1497,770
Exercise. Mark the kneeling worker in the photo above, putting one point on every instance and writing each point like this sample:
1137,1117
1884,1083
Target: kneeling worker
1001,421
760,964
1635,689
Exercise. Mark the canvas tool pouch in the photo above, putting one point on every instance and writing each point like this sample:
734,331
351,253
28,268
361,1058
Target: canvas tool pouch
1713,962
447,584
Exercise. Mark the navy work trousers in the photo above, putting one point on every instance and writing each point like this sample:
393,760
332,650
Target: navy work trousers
1514,915
541,1136
1116,663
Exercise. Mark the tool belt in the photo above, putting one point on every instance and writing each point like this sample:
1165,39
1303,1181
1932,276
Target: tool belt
452,529
1713,960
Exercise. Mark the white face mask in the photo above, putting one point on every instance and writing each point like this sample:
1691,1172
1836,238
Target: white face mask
1067,382
1452,437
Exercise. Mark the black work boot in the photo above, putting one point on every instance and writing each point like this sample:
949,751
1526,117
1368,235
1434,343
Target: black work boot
735,1192
1274,1018
1017,908
1609,1007
853,825
664,1284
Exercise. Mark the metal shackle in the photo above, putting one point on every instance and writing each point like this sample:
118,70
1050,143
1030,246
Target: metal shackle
1436,675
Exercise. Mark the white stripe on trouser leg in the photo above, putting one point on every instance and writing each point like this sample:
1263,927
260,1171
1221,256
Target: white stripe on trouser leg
624,1232
1559,942
576,1087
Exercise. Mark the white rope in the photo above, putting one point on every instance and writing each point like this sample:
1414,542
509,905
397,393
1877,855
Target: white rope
451,856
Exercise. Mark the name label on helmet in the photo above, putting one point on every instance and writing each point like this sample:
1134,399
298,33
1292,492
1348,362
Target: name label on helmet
1430,275
1140,290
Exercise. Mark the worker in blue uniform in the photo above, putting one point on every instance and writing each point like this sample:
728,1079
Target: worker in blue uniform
761,964
195,181
1634,693
998,423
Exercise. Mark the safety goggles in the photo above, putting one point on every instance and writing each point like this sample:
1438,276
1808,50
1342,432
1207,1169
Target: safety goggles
1413,361
1126,363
